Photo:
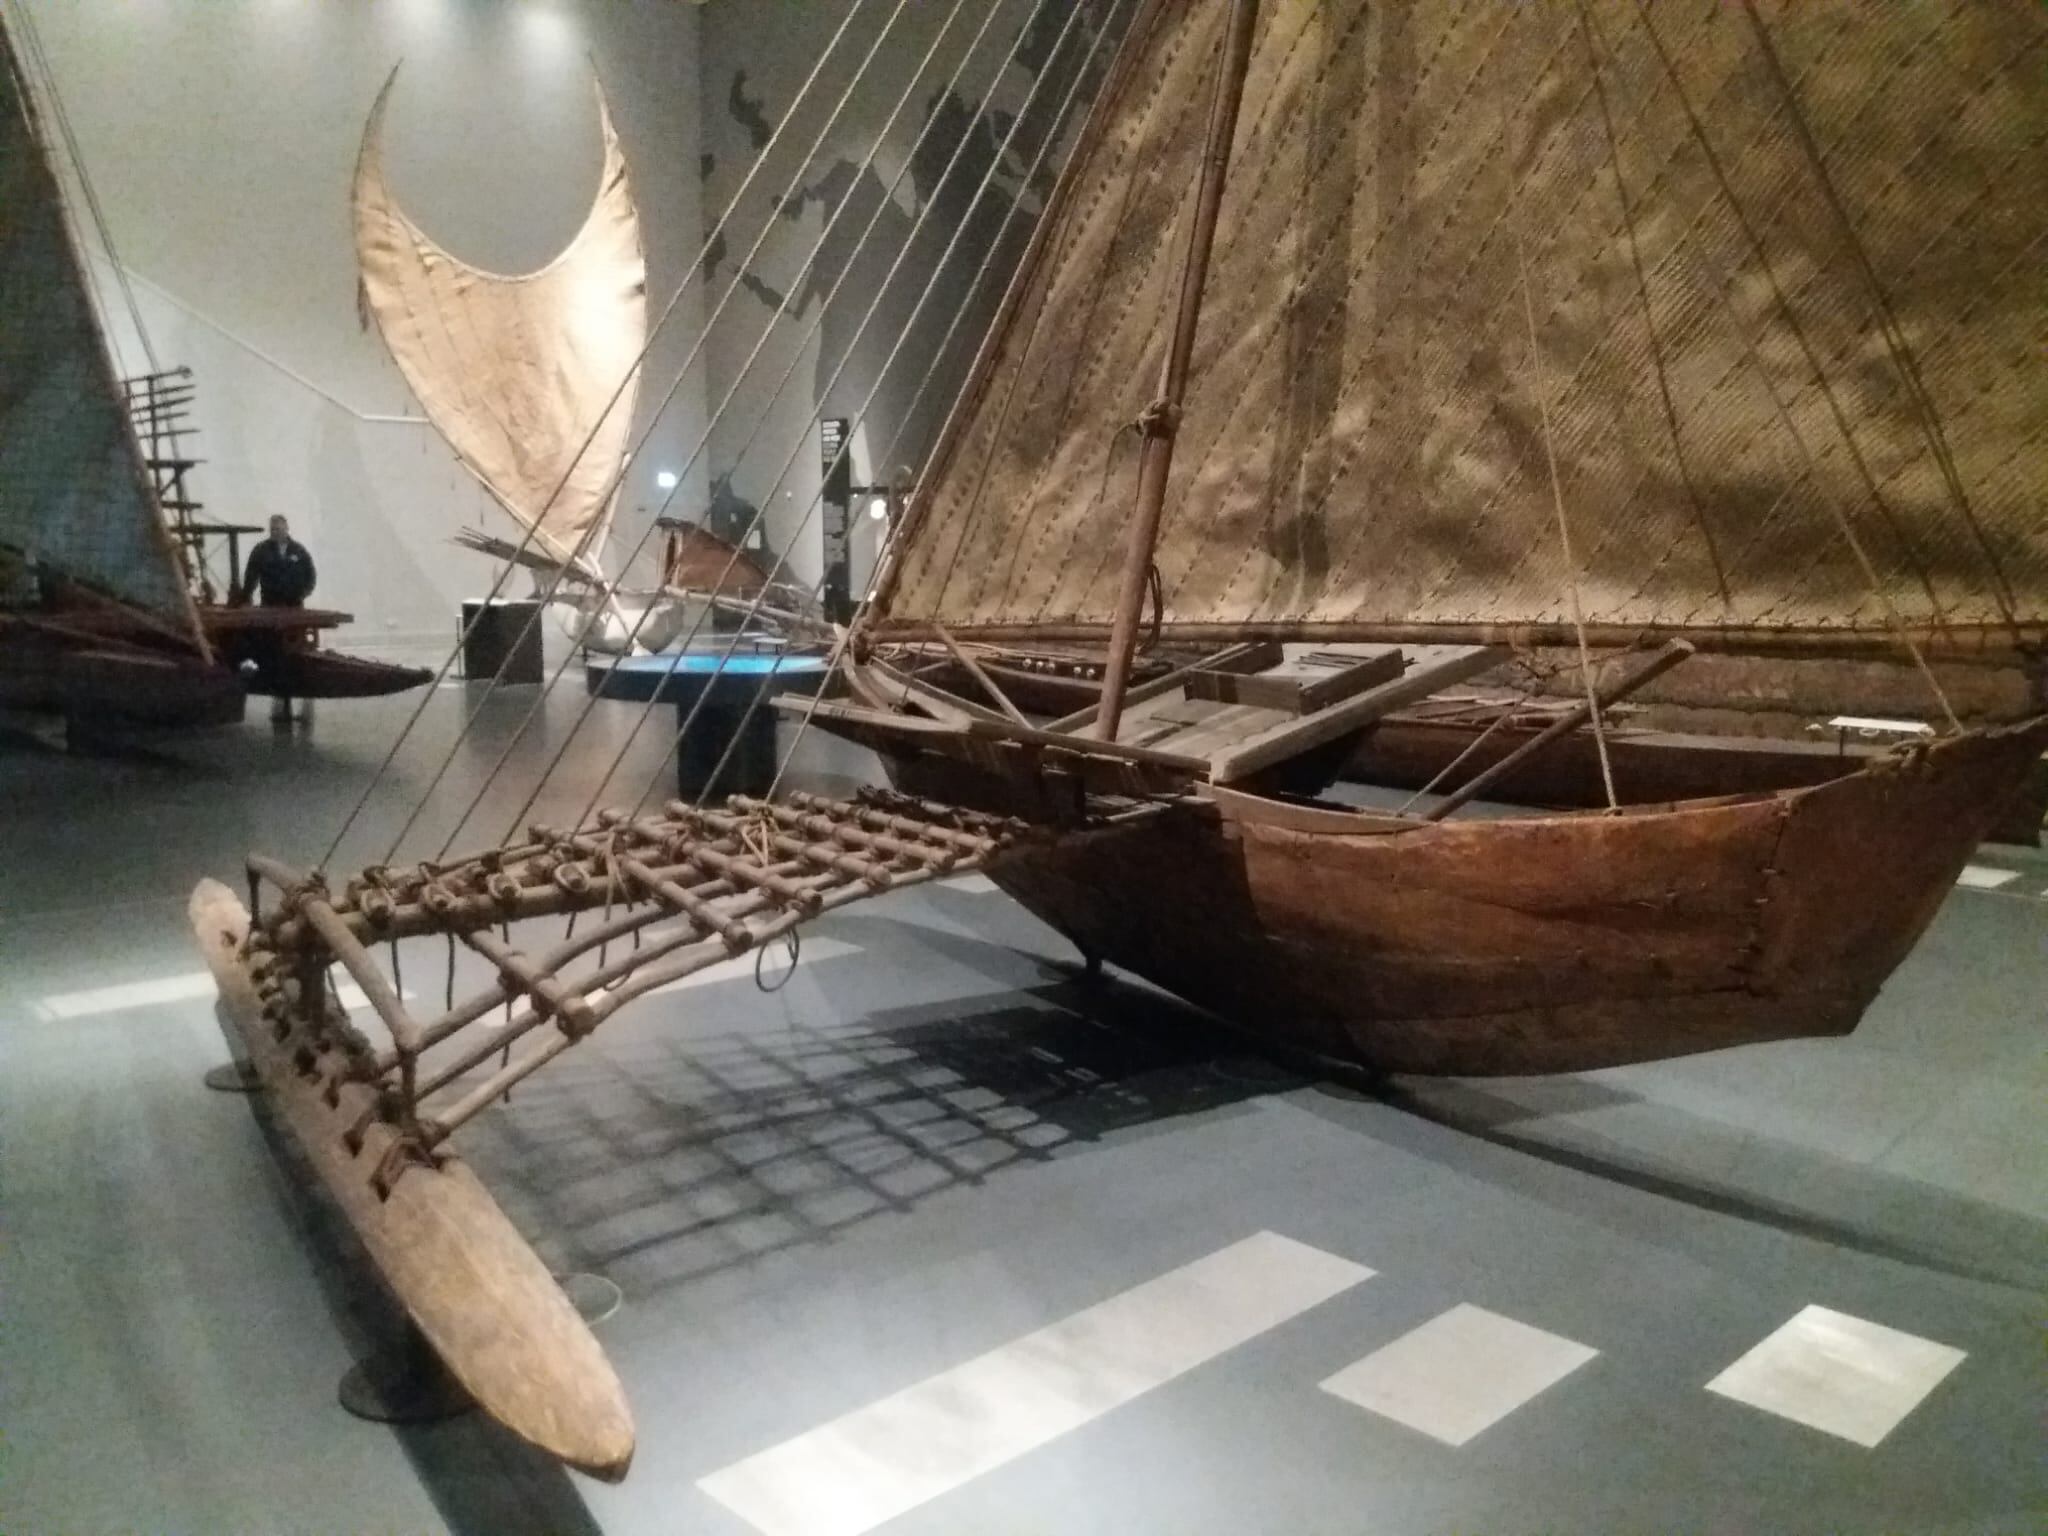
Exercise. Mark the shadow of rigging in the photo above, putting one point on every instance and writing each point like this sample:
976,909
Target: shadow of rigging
675,1155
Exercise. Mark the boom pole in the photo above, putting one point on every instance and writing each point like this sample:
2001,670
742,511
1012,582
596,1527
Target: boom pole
1161,421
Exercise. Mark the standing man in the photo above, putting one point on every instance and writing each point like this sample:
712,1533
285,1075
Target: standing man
280,575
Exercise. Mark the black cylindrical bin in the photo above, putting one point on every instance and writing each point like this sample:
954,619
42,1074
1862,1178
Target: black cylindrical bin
749,762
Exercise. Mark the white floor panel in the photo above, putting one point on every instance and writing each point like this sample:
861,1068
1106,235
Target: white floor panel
1982,877
873,1464
1459,1373
1838,1373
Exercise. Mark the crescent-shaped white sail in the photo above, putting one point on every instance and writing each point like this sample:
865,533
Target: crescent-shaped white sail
522,375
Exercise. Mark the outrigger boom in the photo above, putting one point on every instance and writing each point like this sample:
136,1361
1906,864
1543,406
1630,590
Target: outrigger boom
676,892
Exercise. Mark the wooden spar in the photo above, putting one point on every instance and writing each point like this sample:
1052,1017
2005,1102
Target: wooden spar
1670,656
1970,644
1161,420
346,948
988,684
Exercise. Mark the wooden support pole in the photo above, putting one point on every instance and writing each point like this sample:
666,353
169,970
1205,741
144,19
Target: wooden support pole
1669,656
988,684
1162,419
868,816
347,949
744,872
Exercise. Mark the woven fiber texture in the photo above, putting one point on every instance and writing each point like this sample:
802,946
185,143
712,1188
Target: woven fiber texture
1788,268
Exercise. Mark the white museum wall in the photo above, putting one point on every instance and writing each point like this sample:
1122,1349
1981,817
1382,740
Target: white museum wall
221,139
755,59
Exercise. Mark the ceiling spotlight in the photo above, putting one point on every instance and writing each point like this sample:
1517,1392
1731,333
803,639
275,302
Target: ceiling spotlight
664,479
878,508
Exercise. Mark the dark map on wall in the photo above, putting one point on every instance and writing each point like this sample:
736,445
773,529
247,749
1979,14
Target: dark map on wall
971,209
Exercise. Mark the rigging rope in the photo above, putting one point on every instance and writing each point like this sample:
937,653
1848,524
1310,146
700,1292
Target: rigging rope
1783,303
882,287
1046,145
1896,343
606,592
40,60
798,355
1564,530
1659,365
690,275
915,516
1935,616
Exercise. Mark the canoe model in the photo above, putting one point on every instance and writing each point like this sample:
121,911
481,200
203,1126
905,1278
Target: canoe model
1422,338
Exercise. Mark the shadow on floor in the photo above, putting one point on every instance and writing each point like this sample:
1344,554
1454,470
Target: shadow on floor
1784,1187
671,1155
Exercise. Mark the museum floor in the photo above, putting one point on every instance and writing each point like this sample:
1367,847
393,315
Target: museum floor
1061,1259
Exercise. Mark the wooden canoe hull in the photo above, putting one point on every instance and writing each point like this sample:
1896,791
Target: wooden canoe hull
1535,944
311,674
478,1293
117,691
1404,752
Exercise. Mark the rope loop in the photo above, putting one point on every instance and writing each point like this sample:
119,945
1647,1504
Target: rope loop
793,938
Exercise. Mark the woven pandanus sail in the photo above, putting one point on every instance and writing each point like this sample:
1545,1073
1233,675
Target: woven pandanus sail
1785,268
75,498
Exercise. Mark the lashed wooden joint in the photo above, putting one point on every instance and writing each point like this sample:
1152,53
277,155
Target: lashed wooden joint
685,903
546,992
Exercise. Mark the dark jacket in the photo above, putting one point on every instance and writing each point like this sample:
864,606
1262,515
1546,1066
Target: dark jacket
283,577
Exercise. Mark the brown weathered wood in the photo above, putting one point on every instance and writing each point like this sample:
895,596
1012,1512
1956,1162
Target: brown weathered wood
1407,751
686,903
974,670
1293,737
815,825
1966,644
465,1276
362,968
1161,422
884,680
550,997
1672,653
1252,656
1536,943
1299,693
1227,727
1089,746
1260,690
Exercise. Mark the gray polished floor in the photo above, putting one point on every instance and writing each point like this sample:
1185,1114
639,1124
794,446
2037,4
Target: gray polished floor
936,1141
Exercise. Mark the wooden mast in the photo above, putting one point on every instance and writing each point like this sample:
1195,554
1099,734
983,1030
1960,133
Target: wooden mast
1161,420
